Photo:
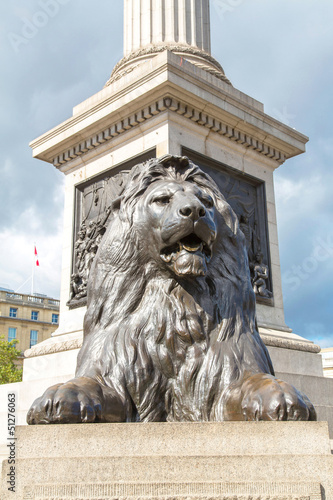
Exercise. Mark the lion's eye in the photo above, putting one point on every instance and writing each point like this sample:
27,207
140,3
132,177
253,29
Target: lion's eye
162,200
208,202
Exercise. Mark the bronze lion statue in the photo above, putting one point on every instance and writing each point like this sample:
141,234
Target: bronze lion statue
170,331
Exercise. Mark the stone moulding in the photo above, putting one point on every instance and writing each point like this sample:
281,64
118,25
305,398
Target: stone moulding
290,344
202,59
175,105
174,491
67,345
61,346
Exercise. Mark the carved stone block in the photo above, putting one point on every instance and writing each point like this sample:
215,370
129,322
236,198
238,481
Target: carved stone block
217,461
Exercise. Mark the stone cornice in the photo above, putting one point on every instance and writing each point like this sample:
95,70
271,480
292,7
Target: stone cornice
166,85
29,321
107,98
176,106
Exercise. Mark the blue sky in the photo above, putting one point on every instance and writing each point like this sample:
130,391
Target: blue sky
56,53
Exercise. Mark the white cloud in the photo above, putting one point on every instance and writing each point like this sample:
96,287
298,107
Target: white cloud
324,342
7,167
318,333
290,192
18,249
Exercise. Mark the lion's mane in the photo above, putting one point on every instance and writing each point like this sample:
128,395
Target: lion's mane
153,338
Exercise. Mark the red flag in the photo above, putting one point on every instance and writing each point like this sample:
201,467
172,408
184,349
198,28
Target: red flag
36,257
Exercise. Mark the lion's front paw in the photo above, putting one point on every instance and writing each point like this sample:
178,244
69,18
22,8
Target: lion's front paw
265,397
79,400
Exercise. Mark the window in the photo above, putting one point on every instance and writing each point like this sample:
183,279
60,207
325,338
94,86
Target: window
13,312
33,337
34,315
11,334
55,319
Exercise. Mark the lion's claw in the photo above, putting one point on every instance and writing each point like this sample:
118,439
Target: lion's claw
266,398
67,404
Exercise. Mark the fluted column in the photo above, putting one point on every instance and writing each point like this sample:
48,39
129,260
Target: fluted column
156,22
179,26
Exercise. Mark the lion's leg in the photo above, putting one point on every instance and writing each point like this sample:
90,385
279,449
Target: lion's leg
82,399
263,397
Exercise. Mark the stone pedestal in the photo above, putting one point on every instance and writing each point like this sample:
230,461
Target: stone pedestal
169,105
264,460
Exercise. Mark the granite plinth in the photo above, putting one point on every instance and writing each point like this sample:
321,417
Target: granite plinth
232,460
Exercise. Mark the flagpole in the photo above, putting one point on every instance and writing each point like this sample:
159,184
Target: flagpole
33,271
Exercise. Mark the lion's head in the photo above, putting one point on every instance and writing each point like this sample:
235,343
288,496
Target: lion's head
176,219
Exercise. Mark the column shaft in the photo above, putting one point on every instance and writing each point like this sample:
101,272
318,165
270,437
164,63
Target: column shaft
184,22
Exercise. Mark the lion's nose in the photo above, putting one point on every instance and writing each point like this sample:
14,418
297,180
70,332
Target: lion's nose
193,210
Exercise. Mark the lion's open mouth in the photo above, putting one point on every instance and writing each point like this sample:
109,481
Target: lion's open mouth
191,243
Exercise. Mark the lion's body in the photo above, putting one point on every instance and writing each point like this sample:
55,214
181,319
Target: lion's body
167,359
169,346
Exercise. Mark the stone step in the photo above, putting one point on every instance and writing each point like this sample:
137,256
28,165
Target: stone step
174,439
167,461
86,469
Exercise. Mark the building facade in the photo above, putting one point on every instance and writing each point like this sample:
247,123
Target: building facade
29,319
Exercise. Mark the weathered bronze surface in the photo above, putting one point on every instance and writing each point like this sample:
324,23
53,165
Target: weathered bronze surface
247,198
170,330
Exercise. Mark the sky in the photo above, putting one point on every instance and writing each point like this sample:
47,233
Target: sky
56,53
